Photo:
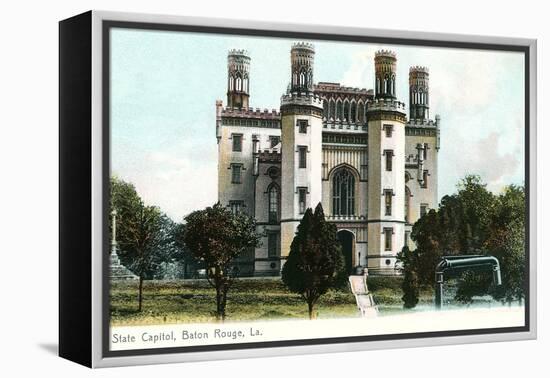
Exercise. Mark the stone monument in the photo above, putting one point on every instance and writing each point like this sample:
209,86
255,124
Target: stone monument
117,271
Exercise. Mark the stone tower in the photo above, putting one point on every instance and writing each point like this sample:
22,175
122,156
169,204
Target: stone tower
238,74
385,65
419,93
386,170
301,134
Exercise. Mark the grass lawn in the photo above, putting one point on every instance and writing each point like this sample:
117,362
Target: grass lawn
168,302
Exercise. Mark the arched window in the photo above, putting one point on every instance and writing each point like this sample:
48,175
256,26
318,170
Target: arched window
343,193
360,112
332,109
377,85
346,110
325,108
339,109
273,200
407,204
231,83
353,112
238,83
393,85
302,79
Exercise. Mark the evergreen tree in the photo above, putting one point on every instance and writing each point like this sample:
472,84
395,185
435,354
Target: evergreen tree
315,263
410,284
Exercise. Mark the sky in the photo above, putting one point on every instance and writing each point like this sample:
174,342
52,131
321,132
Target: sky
164,86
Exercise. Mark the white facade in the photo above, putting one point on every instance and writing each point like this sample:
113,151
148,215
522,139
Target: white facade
351,149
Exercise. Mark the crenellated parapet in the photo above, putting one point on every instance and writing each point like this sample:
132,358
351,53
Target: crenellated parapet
302,103
269,156
386,108
251,117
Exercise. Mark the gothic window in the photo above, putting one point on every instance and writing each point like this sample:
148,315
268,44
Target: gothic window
377,85
325,109
236,173
237,142
343,193
346,110
388,233
236,206
386,85
238,83
425,151
407,204
302,79
302,193
231,83
273,201
360,112
332,109
425,179
302,151
393,85
339,109
353,112
388,196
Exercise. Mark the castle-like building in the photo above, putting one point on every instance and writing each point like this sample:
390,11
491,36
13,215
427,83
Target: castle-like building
351,149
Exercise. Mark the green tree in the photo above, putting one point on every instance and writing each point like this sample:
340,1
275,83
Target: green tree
410,284
315,263
216,236
142,232
507,243
475,221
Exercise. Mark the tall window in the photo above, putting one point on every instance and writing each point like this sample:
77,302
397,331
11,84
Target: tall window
303,156
353,112
236,173
332,109
425,151
388,195
346,110
343,193
237,142
339,109
302,192
302,126
388,129
389,159
388,234
360,112
236,206
273,194
272,244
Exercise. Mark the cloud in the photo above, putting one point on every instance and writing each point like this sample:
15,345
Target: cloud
482,157
176,180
